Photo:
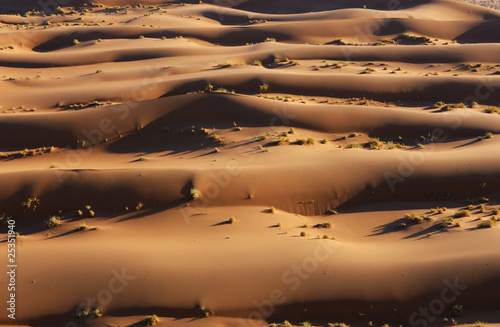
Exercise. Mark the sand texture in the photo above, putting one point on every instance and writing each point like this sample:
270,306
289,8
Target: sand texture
242,163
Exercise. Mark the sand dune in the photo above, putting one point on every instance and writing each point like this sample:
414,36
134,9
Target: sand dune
241,163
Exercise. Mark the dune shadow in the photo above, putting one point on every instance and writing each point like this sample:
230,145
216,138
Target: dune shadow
222,223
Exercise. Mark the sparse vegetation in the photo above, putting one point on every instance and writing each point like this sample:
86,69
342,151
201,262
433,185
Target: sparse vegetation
82,227
487,223
323,225
492,110
461,213
264,87
281,141
353,146
375,143
53,221
457,310
256,62
195,193
31,203
151,320
416,218
225,64
445,223
308,141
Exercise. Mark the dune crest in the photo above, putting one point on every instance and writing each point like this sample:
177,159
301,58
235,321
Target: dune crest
246,162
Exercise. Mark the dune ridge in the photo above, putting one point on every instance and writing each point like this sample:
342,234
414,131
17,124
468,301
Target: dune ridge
242,163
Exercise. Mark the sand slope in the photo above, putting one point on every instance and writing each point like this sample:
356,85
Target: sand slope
319,135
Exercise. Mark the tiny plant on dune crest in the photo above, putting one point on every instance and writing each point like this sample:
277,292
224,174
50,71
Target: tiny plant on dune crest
195,193
151,320
461,213
264,87
82,227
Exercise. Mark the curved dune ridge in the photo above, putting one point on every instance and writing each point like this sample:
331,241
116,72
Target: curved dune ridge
246,162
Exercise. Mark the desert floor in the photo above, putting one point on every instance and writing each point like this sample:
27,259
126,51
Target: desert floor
242,163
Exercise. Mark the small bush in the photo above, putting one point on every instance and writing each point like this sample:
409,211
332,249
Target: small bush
225,64
256,63
461,213
439,104
31,203
232,220
264,87
53,221
457,310
374,143
492,110
195,193
81,227
445,223
151,320
416,218
281,141
487,223
308,141
353,146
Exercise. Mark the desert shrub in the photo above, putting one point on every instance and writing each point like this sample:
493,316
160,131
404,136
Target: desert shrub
195,193
447,222
256,63
461,213
353,146
374,143
81,227
308,141
487,223
53,221
151,320
264,87
31,203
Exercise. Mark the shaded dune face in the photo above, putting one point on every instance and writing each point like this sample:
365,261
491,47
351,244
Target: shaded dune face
242,163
